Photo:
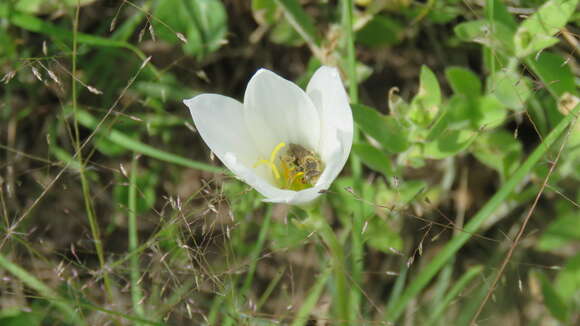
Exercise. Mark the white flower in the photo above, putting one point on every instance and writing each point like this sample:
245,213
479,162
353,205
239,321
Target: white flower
259,140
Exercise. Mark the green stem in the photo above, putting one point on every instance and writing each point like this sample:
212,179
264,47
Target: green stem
429,271
347,22
357,249
341,305
136,292
84,182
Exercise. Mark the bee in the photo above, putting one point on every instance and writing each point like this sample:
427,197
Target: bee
303,160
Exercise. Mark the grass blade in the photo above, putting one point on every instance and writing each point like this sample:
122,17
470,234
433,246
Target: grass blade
41,288
453,292
119,138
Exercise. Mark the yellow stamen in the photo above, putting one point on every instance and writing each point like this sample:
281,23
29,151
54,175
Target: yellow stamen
271,165
276,150
295,177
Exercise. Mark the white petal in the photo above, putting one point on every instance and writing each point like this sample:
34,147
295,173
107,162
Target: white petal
276,110
328,95
220,122
249,176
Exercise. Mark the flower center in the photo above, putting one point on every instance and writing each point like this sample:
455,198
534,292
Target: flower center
294,168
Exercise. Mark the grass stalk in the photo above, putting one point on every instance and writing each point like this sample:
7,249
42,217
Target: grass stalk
136,291
357,248
95,232
341,293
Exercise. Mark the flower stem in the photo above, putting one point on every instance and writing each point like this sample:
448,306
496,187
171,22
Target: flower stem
341,295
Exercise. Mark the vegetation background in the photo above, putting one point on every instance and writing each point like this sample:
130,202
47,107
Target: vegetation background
459,205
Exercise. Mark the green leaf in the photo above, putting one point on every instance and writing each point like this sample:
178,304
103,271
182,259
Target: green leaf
448,144
287,235
463,81
554,73
381,236
374,158
501,14
426,104
264,11
561,231
202,22
496,36
385,129
568,279
536,32
299,20
491,112
553,301
380,31
498,150
284,33
509,88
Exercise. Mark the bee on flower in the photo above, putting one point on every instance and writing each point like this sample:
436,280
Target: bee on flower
287,143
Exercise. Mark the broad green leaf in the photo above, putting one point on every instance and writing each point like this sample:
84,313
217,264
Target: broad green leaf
536,32
500,14
463,81
496,35
426,104
554,72
568,279
381,236
299,20
498,150
448,144
385,129
553,301
374,158
461,112
380,31
509,88
202,22
561,231
491,112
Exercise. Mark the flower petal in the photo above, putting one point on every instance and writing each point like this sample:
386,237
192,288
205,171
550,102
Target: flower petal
220,122
328,95
249,176
276,110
